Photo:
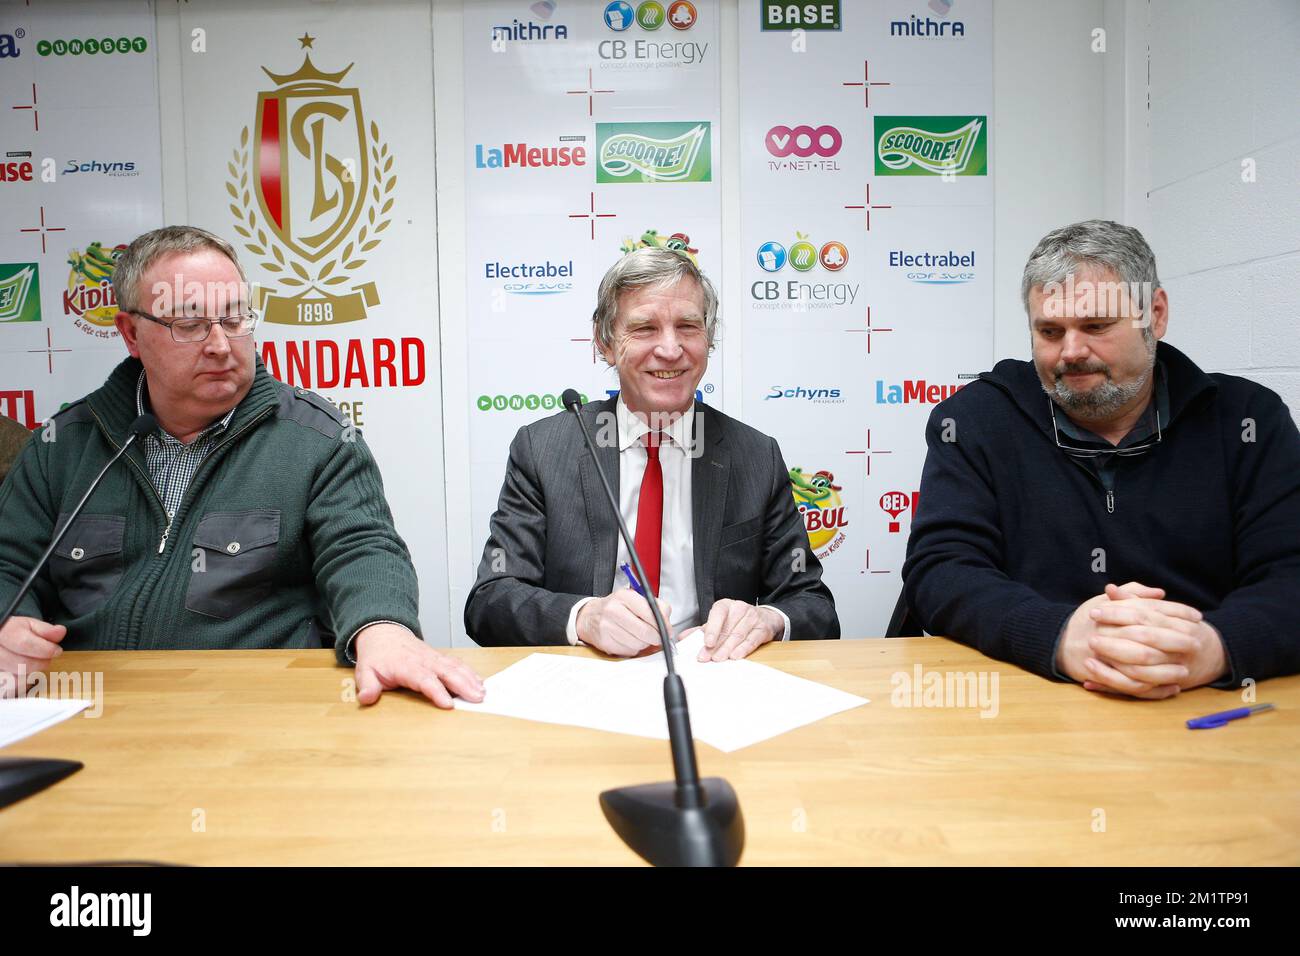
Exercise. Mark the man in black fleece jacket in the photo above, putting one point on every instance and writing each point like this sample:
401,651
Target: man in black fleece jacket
1110,457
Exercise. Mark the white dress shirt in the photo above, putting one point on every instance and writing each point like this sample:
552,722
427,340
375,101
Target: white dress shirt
677,547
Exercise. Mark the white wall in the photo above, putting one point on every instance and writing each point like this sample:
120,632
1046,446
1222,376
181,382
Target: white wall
1224,82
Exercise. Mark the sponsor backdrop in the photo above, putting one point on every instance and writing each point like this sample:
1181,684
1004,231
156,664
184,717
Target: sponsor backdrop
867,236
79,177
590,128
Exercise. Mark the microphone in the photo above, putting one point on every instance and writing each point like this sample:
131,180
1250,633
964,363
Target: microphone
689,822
142,426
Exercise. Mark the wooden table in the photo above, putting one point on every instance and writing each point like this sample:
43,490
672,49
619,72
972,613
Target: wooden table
238,757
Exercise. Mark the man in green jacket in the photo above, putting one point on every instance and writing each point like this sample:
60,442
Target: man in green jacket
254,517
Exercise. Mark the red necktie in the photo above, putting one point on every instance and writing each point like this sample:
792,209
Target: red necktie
650,512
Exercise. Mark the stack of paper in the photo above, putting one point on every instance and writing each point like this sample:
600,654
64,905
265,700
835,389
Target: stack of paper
25,716
733,703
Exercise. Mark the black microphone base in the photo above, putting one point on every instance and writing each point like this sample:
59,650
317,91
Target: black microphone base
663,834
22,776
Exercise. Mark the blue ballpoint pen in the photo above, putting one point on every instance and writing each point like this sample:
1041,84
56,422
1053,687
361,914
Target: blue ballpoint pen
1223,716
631,579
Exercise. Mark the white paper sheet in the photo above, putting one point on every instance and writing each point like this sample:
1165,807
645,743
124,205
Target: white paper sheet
733,703
24,716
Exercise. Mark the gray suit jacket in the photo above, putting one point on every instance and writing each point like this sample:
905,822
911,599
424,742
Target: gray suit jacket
554,539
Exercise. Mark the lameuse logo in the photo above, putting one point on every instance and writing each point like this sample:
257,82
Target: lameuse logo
525,156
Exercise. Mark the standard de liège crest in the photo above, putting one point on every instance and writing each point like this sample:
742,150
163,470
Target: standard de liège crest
312,189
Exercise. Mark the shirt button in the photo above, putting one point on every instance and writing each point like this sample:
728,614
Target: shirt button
233,547
77,554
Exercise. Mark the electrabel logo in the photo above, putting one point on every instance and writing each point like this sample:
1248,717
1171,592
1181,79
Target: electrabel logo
651,15
519,403
525,31
931,145
784,15
803,148
532,278
803,256
913,390
935,268
17,167
523,156
9,43
816,394
916,26
103,167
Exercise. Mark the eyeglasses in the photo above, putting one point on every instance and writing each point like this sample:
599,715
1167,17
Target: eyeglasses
196,329
1125,452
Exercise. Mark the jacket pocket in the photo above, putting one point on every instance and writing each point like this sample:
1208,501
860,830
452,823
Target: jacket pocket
87,566
233,553
740,531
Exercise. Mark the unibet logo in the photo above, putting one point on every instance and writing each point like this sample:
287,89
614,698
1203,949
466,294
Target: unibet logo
803,256
653,153
92,46
931,145
518,403
20,292
783,15
803,141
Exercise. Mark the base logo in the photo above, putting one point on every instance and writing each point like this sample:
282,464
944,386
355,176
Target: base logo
654,153
90,296
678,242
931,145
802,15
312,190
20,293
818,499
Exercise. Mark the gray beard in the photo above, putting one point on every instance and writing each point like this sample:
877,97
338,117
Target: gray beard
1100,403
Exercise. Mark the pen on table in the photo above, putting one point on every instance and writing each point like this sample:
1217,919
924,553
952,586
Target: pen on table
1223,716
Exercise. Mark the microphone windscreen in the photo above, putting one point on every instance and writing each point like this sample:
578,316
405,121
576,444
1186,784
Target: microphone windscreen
146,424
571,399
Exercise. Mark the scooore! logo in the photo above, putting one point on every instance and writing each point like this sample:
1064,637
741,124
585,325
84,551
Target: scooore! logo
532,278
785,15
818,395
91,46
519,403
103,167
935,268
818,499
521,155
650,15
678,242
20,292
653,153
90,296
803,256
312,192
931,146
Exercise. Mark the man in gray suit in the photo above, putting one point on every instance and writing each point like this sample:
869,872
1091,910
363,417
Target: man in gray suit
706,497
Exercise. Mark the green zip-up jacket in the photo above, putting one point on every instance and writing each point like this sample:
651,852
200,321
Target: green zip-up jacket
283,538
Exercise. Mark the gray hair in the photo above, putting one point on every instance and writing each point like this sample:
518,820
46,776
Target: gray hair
656,268
1096,242
147,249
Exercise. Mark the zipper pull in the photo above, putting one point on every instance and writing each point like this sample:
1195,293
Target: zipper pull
162,543
1110,502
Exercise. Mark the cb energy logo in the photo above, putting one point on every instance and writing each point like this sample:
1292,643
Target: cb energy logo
651,15
931,145
818,499
653,153
803,256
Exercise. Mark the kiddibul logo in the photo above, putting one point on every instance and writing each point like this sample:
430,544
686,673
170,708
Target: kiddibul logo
803,256
818,499
531,278
523,156
90,295
16,167
678,242
785,15
312,192
9,43
931,146
650,15
934,268
653,153
20,292
818,395
894,503
912,390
